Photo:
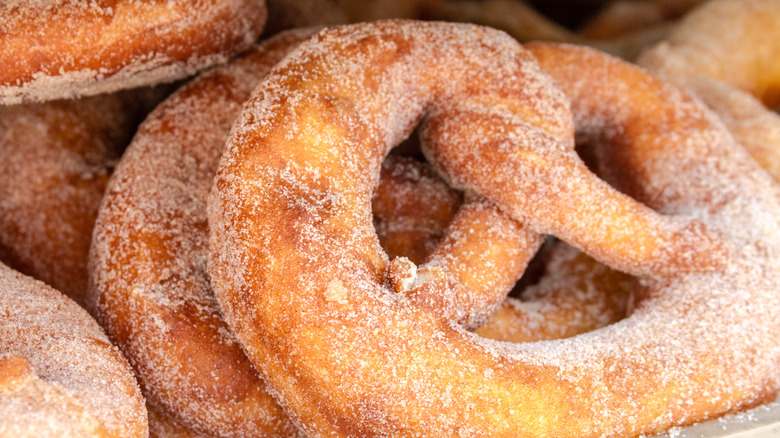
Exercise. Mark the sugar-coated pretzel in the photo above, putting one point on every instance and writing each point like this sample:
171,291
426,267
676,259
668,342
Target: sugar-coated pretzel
53,49
159,309
736,73
56,160
148,261
59,374
296,267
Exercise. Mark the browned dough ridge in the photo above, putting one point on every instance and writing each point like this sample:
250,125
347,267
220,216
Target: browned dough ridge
148,260
54,49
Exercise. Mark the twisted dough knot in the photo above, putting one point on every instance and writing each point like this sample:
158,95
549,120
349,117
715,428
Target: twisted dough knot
300,277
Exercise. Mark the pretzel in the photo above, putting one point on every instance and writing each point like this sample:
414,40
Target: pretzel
59,373
147,265
56,160
736,73
162,180
60,49
303,285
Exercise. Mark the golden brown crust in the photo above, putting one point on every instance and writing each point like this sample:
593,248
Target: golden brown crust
59,374
296,266
148,260
54,49
57,158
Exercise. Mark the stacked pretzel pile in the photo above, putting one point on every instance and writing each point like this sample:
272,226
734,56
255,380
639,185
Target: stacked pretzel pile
393,227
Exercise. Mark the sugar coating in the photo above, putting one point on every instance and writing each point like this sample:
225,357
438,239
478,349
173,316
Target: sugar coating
290,215
68,48
59,373
57,158
148,261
